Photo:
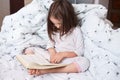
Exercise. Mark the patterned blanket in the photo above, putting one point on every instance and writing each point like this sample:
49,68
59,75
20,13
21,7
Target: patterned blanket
27,28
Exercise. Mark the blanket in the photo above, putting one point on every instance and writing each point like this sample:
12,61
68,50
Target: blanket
27,28
101,47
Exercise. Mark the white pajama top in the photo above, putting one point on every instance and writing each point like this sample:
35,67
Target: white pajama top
71,42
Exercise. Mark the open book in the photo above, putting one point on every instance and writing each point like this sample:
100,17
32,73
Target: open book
33,61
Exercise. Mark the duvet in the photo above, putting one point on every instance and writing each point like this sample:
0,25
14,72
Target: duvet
27,28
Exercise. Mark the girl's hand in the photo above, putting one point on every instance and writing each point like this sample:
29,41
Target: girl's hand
31,71
52,52
52,57
58,57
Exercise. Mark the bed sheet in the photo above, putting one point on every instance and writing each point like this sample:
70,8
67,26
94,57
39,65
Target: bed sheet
27,28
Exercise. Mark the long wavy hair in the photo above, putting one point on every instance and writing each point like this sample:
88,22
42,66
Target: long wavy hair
61,10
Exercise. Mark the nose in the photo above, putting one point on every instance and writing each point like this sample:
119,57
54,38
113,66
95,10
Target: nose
57,25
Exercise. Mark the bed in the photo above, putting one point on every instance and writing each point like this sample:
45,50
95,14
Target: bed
27,28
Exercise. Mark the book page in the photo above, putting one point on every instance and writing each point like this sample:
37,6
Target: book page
33,59
36,62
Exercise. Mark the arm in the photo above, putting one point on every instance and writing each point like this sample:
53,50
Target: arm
61,55
68,54
56,58
52,52
78,41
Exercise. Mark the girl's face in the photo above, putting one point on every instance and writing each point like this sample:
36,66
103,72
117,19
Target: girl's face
56,22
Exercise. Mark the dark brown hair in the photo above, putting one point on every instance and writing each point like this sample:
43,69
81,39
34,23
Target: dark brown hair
63,11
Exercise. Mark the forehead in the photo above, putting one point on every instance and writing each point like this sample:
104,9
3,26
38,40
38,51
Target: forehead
54,20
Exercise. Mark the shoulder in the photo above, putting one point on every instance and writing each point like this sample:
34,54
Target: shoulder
77,29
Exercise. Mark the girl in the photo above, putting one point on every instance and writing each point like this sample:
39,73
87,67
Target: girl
66,42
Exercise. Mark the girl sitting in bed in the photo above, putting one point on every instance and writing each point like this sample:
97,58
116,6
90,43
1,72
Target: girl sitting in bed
66,42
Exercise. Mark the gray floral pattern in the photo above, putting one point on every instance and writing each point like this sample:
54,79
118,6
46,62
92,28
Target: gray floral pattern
27,28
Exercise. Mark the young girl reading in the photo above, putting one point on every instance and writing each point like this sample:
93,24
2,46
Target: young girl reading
66,43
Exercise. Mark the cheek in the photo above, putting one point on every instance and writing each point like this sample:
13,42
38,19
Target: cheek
58,26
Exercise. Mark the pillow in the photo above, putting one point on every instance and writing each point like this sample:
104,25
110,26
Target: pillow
97,28
100,32
84,9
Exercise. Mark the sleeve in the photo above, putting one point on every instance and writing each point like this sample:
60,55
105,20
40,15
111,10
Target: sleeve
78,40
50,44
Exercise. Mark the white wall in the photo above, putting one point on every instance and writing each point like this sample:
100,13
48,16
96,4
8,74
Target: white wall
4,9
27,1
103,2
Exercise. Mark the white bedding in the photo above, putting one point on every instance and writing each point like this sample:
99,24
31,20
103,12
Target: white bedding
27,28
102,48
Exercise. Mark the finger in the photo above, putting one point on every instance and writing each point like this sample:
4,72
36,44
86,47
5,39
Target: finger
37,72
57,61
53,60
33,71
30,71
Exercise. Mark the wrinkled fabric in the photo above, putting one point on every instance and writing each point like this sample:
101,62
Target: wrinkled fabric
27,28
